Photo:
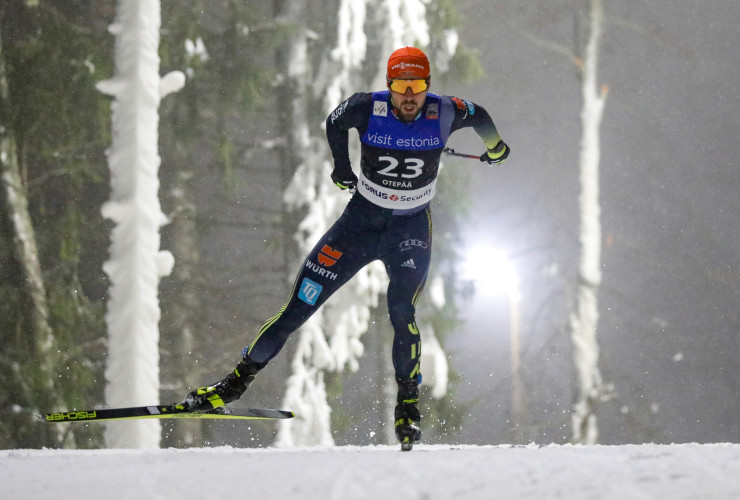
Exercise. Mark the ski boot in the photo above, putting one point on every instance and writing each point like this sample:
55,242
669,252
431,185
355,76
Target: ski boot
213,398
407,414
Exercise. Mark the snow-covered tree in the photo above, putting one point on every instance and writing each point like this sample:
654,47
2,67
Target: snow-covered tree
583,312
136,263
347,320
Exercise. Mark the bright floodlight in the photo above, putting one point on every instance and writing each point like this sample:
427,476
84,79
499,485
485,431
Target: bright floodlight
491,271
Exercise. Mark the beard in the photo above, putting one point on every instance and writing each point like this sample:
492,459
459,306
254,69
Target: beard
408,110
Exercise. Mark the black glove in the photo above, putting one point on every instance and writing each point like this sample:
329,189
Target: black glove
344,181
497,155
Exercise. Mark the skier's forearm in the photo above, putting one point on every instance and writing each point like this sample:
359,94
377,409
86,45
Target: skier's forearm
352,113
339,144
485,128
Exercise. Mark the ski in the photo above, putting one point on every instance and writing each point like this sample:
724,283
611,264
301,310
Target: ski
162,411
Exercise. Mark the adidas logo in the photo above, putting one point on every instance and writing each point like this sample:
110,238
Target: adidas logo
409,263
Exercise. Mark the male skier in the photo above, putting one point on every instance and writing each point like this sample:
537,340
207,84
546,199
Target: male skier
403,132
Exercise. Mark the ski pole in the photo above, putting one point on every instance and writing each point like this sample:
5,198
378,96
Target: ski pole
451,152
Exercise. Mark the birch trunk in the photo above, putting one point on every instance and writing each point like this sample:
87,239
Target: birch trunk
584,319
37,381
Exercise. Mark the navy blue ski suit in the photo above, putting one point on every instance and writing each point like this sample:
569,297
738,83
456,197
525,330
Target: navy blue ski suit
388,218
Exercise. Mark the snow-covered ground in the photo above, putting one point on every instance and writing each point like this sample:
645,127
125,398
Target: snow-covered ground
675,472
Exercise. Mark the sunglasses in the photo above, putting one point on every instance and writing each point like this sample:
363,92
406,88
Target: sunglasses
416,86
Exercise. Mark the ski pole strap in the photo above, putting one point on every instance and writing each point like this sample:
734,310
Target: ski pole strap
451,152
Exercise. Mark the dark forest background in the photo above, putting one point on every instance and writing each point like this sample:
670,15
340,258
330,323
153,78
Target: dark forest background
670,326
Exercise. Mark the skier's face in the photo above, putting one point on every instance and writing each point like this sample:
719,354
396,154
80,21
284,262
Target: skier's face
408,104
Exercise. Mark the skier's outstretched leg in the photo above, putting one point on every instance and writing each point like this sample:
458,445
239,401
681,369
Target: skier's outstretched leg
407,261
340,253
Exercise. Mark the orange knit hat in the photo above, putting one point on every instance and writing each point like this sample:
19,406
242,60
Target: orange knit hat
408,63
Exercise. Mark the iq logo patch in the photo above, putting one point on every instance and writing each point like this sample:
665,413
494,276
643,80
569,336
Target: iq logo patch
309,291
